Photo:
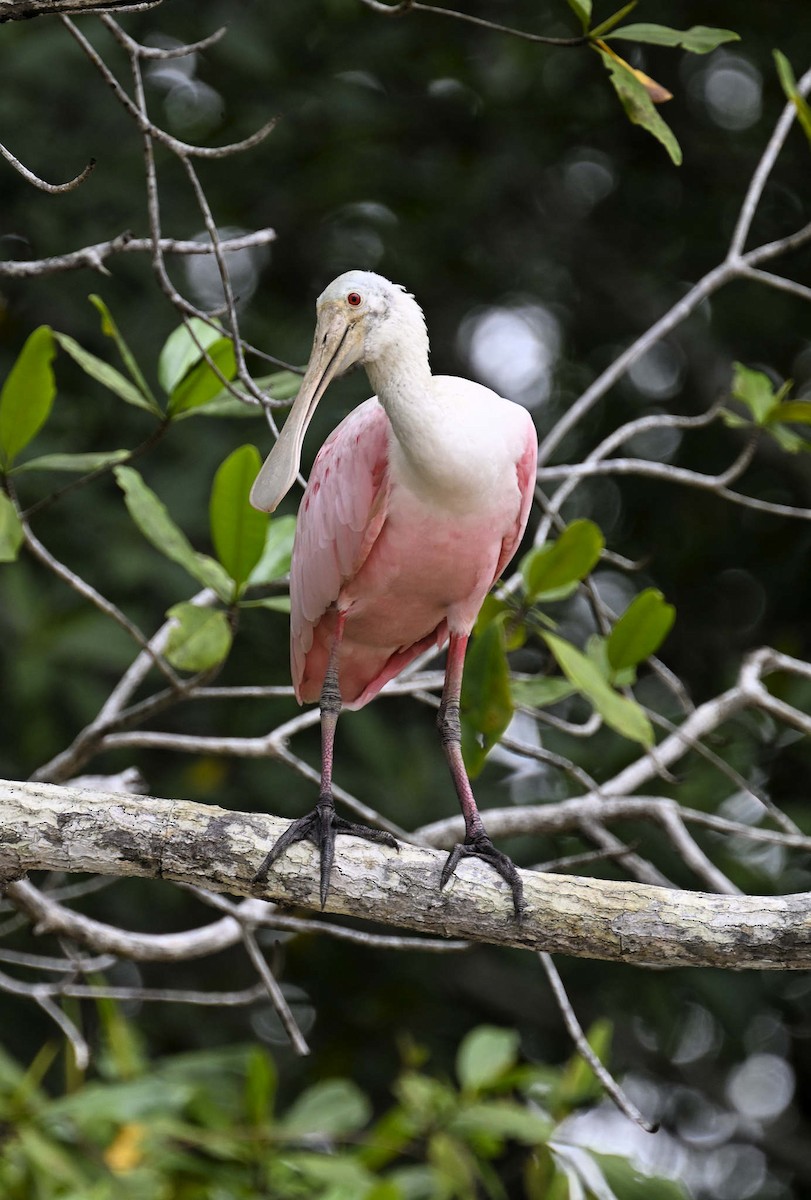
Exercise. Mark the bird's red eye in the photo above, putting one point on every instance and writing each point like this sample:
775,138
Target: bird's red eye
354,298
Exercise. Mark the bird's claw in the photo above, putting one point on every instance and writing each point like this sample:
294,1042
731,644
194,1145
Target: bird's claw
481,847
320,827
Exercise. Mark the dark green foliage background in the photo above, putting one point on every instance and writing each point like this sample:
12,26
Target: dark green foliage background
471,209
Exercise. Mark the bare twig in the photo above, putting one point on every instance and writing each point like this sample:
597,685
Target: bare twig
575,1031
53,188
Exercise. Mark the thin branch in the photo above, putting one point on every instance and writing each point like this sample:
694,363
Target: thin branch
575,1031
275,993
84,589
94,257
408,6
764,169
174,144
670,474
53,188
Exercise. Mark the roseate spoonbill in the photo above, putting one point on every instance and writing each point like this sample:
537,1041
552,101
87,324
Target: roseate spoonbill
415,504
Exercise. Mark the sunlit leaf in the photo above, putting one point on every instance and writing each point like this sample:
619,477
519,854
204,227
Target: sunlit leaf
638,105
331,1108
555,569
27,394
789,85
640,630
485,1054
110,329
622,714
238,530
11,531
755,390
275,560
152,518
793,412
105,374
183,348
699,39
202,383
486,704
199,638
76,463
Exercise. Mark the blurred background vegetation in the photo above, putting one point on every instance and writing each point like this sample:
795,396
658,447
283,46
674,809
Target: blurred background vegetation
501,183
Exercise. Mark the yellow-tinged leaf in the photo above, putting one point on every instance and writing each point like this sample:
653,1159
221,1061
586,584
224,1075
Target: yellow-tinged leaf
656,91
126,1150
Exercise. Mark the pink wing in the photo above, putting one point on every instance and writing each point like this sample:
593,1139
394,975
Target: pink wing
340,517
526,469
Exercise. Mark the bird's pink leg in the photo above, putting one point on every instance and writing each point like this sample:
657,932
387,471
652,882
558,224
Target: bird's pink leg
476,843
323,823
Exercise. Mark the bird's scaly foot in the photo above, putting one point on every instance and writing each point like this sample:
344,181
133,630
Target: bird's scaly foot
320,827
481,847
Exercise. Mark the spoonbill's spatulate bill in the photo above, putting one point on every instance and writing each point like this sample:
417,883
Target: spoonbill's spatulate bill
415,505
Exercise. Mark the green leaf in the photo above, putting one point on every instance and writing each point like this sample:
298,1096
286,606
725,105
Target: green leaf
792,412
541,691
238,531
274,603
640,630
789,86
200,639
485,1055
105,374
486,705
275,560
333,1108
154,522
260,1086
11,530
502,1119
623,715
183,348
788,439
111,330
281,385
699,39
639,107
755,390
578,1084
77,463
599,31
203,383
558,567
27,394
582,10
628,1183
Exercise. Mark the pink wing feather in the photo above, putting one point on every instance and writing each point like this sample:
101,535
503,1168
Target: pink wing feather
342,514
526,469
339,520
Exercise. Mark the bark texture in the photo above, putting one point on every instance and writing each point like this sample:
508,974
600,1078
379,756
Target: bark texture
43,827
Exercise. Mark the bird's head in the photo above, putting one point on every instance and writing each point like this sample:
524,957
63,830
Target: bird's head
360,317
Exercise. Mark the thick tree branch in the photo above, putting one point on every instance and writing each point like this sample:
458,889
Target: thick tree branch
68,829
